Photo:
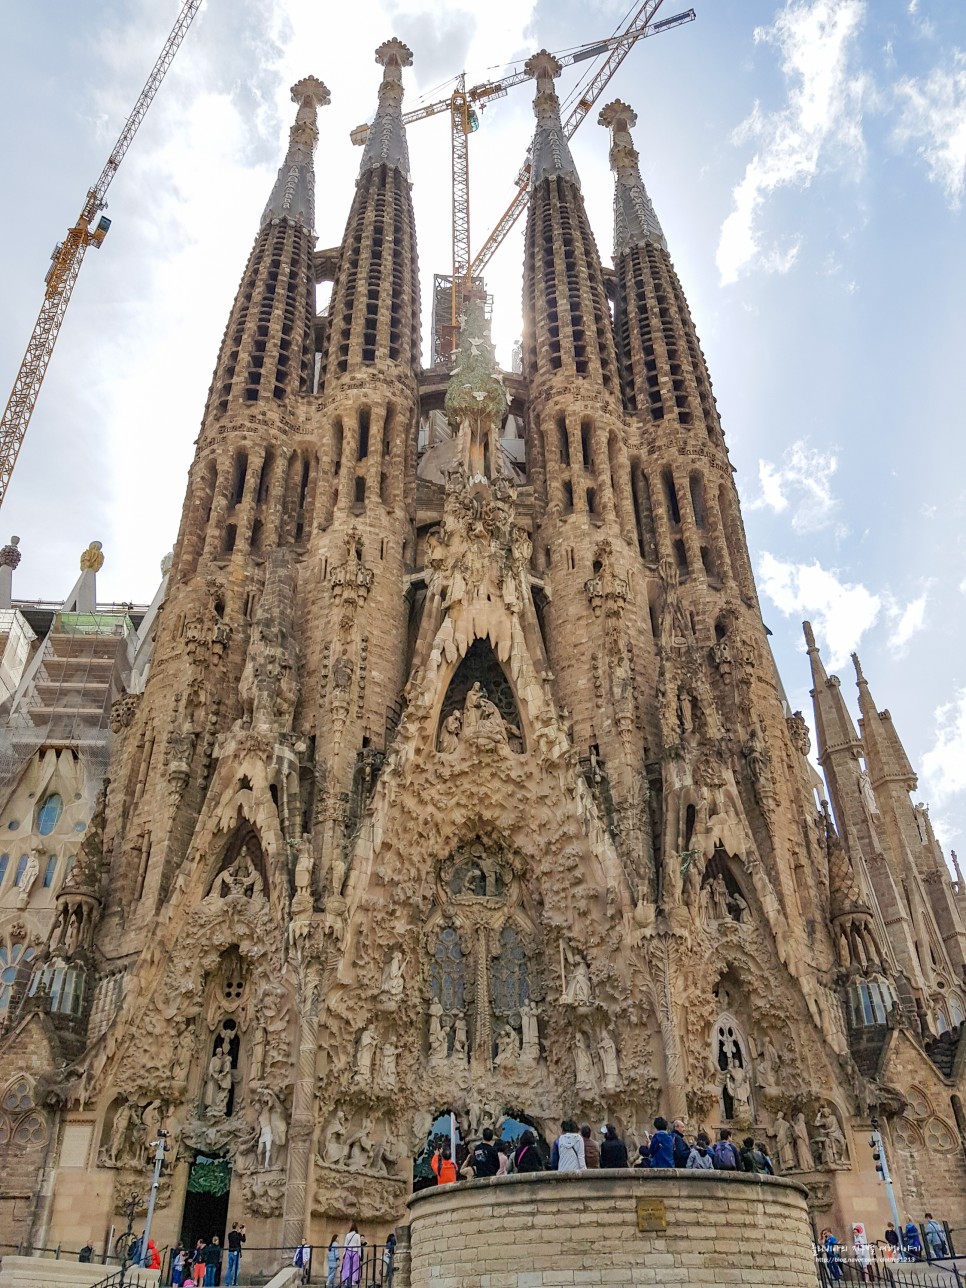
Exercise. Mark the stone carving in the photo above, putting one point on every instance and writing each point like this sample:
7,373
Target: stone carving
388,1075
272,1129
577,991
393,983
531,1032
365,1055
333,1150
798,732
607,1048
449,734
241,879
585,1076
507,1047
803,1150
785,1143
269,682
829,1138
28,878
739,1088
768,1065
218,1084
351,582
482,722
461,1038
437,1034
122,711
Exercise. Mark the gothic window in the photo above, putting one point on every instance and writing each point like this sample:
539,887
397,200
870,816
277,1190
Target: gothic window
447,975
18,1096
10,961
49,814
49,871
4,863
956,1015
65,986
21,868
509,977
869,1002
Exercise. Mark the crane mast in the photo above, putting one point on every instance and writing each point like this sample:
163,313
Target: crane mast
66,261
582,100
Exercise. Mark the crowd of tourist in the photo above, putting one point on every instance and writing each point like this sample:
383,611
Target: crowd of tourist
576,1150
905,1244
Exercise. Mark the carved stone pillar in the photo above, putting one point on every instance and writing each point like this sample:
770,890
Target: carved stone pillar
295,1214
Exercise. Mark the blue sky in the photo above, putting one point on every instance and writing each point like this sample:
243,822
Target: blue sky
807,161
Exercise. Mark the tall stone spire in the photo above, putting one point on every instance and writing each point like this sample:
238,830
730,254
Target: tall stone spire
833,723
635,221
386,141
551,152
374,310
293,196
885,753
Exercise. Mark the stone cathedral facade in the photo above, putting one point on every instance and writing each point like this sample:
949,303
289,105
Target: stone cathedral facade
460,776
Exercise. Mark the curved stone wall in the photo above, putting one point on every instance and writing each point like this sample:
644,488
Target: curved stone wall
612,1227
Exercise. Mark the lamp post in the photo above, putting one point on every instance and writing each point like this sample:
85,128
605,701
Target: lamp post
160,1149
882,1167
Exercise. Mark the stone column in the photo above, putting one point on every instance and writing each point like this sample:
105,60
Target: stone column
295,1215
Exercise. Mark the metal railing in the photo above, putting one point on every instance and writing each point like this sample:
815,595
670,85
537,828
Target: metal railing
880,1265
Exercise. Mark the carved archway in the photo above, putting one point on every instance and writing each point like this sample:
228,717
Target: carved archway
242,864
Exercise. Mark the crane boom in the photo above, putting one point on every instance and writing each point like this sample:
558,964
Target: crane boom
583,99
67,258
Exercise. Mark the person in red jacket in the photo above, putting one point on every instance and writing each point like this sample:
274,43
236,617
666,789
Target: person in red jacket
153,1259
443,1166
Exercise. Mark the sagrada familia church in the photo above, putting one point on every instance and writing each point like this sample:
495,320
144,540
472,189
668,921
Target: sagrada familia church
450,771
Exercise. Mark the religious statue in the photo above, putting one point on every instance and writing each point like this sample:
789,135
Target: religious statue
482,721
393,983
364,1057
577,991
607,1049
359,1146
449,735
460,1038
803,1150
70,939
784,1143
218,1084
387,1067
739,1087
829,1135
272,1129
507,1047
257,1065
334,1149
437,1034
119,1133
585,1075
719,899
531,1032
769,1063
27,878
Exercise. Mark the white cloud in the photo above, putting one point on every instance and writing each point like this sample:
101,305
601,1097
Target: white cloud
822,115
933,117
803,481
909,620
841,612
944,764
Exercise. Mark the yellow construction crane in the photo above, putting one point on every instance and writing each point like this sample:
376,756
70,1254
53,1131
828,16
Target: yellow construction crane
462,105
66,261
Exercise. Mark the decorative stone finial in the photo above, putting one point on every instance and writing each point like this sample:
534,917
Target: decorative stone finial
92,560
809,637
859,677
551,155
293,196
10,556
166,563
635,221
386,140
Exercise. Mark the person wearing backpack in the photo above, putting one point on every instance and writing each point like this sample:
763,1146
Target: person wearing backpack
725,1154
484,1161
700,1158
567,1154
935,1237
751,1160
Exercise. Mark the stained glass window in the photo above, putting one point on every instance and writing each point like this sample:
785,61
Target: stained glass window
509,977
49,814
447,975
10,960
49,871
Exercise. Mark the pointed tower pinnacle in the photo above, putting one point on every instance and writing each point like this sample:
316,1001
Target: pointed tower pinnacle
551,154
386,140
635,222
476,401
293,196
885,755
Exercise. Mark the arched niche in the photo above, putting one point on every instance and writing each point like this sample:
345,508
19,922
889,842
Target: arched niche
480,680
722,897
731,1056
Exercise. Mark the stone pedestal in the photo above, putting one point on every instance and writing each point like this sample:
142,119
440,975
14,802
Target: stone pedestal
612,1227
